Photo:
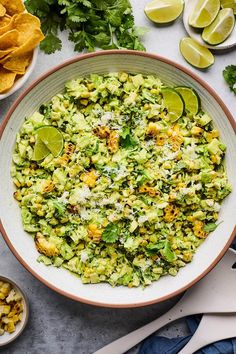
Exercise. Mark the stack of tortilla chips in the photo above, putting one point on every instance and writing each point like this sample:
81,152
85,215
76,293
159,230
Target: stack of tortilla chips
20,33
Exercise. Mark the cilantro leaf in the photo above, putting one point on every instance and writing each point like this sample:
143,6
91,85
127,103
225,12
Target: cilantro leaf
50,44
102,39
128,21
76,14
59,207
153,249
37,8
111,233
164,248
84,40
113,17
229,74
126,139
167,252
211,226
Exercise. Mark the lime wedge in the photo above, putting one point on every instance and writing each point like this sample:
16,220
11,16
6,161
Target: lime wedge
204,13
229,3
40,151
195,53
220,28
52,138
190,98
164,11
173,103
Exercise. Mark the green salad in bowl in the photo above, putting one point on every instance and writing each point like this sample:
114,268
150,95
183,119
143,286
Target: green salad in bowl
119,178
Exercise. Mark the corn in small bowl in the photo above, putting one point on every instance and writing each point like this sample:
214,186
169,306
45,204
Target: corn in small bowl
14,311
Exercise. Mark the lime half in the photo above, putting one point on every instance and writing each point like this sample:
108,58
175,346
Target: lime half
195,53
229,3
173,103
220,29
164,11
204,13
40,151
52,138
190,98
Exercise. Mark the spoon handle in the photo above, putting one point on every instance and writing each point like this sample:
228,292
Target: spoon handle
212,328
128,341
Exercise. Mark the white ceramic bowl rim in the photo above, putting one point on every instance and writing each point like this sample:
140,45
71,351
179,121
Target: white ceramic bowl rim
106,53
13,336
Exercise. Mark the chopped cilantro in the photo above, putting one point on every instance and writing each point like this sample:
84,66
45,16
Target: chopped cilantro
153,249
111,233
59,207
167,252
211,226
126,139
164,248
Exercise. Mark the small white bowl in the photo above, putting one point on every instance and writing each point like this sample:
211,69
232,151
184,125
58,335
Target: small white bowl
7,338
21,81
195,34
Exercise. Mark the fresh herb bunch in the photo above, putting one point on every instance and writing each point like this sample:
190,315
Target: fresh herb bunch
229,74
106,24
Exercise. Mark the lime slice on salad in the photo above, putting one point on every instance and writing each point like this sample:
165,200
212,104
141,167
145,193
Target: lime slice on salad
40,151
173,103
228,3
220,28
195,54
190,98
52,138
204,13
164,11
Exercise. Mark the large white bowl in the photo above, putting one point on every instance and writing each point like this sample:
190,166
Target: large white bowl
22,245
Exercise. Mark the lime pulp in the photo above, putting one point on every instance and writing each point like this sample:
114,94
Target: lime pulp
164,11
204,13
173,103
49,139
220,29
195,54
190,98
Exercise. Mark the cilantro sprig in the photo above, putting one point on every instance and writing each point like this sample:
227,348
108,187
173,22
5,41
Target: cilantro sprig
229,74
106,24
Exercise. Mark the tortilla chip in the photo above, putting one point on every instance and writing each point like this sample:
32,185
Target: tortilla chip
9,39
7,24
7,79
2,10
5,52
36,37
4,20
13,6
18,64
25,24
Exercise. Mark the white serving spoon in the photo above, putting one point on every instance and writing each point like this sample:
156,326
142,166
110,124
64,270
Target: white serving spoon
211,329
215,293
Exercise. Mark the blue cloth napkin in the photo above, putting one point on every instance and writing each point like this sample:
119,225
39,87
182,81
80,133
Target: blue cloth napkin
163,345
